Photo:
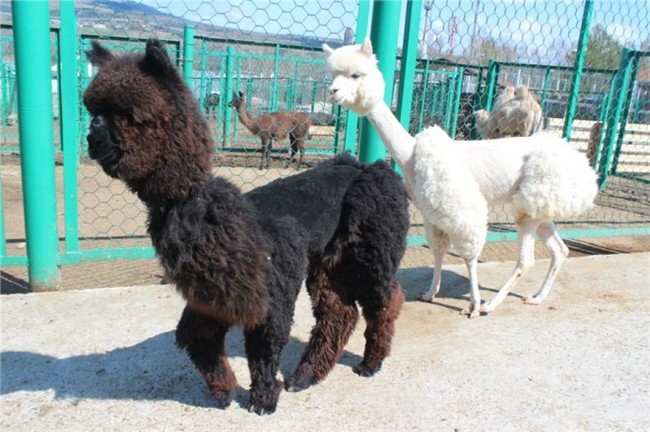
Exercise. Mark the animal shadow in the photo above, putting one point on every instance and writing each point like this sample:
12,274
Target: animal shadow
453,286
149,370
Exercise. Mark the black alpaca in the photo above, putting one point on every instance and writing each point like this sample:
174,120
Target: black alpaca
240,259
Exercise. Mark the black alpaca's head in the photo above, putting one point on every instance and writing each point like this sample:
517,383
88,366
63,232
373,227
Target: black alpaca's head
146,127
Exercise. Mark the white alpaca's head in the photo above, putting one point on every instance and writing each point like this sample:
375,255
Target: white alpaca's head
358,84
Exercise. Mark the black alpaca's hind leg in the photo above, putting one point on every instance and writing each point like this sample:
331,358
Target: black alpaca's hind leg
264,345
204,340
336,316
380,319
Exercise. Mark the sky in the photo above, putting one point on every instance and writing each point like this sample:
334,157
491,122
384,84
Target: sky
536,27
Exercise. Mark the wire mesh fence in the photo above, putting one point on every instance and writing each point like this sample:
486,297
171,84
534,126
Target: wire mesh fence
469,53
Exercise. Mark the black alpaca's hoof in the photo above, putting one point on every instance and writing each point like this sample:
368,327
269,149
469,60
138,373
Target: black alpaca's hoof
295,383
264,402
261,409
223,398
362,370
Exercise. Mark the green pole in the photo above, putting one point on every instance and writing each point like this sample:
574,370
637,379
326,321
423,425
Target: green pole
621,83
274,82
69,106
31,22
455,101
547,81
407,65
572,102
4,86
228,91
492,83
627,101
383,34
351,118
188,53
203,91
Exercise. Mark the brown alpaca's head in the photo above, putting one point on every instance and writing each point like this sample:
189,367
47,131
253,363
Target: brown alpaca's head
146,126
238,99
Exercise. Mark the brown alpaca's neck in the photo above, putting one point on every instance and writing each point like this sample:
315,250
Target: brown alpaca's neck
397,140
244,118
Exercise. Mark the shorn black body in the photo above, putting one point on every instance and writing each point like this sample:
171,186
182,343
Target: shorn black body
240,259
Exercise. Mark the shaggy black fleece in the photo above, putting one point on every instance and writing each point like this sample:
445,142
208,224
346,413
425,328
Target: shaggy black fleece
240,259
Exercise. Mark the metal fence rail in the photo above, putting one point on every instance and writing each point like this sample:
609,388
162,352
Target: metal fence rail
454,59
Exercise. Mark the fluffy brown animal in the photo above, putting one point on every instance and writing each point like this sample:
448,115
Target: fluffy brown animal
515,113
240,259
276,125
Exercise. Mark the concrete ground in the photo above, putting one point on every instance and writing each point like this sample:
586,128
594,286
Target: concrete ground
104,359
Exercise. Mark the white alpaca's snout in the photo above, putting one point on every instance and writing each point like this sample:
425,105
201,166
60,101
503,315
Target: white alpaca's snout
338,93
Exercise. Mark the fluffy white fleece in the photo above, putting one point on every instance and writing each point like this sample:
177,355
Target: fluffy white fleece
541,177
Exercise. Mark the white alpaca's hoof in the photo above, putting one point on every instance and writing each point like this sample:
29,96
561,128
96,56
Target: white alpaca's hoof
425,297
487,308
533,300
471,312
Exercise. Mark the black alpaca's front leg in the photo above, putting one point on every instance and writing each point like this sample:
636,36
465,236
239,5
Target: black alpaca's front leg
204,340
263,349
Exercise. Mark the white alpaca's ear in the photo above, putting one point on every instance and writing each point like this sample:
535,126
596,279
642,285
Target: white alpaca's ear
366,47
327,49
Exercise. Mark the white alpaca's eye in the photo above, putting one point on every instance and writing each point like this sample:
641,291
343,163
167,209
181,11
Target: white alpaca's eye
355,76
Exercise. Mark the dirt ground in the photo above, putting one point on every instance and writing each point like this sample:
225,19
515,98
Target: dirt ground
104,359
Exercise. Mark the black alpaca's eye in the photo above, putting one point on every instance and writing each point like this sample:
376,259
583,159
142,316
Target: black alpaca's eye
355,75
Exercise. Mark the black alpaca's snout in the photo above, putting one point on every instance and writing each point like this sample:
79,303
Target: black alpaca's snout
104,144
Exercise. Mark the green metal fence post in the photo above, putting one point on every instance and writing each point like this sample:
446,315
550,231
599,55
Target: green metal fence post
351,118
203,91
547,82
577,69
455,102
188,53
627,101
491,84
383,34
407,65
276,72
621,83
69,115
228,91
31,21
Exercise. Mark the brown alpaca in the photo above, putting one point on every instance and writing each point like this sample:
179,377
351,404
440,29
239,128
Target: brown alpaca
276,125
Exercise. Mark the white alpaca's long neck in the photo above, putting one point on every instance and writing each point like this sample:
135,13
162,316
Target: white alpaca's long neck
397,140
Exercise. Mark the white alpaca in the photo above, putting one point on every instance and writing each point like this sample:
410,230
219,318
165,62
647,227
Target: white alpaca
453,182
515,113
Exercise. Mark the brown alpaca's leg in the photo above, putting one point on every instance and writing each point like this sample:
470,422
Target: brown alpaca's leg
203,338
266,142
380,328
336,316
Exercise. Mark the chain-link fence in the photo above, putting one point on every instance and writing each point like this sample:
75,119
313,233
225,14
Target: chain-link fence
469,53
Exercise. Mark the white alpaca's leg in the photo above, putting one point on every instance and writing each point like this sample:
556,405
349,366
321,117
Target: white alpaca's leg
559,251
439,244
474,294
526,259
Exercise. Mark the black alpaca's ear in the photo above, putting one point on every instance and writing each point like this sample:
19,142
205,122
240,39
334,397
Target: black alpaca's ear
241,95
156,62
98,55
